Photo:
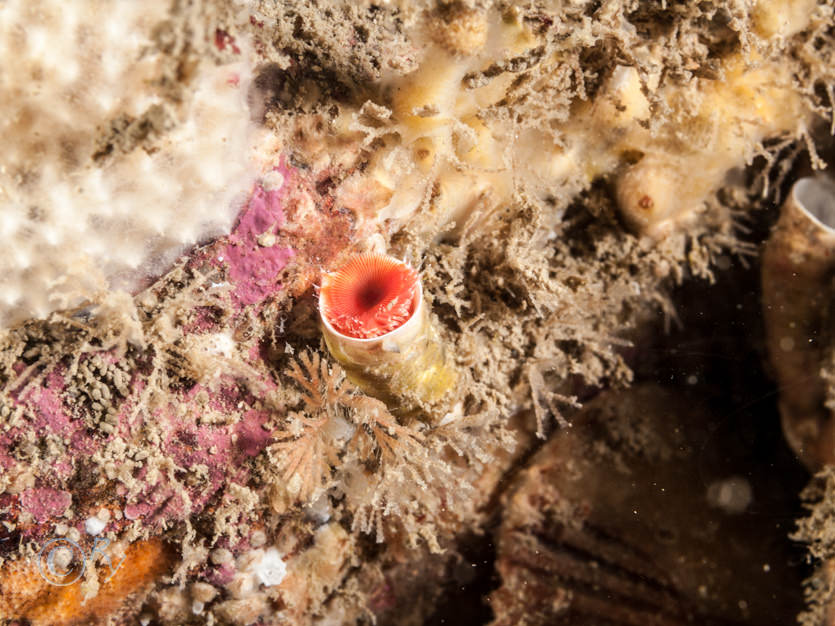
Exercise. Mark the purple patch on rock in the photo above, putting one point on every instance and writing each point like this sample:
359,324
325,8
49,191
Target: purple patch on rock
252,438
159,504
253,267
51,417
221,575
221,449
7,461
45,503
138,510
204,321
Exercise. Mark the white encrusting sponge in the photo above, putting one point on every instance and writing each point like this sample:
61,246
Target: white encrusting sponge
104,176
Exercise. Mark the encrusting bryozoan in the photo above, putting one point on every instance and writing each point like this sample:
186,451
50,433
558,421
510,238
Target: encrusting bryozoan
376,324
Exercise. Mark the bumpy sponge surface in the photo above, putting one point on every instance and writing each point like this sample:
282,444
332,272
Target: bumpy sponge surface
110,167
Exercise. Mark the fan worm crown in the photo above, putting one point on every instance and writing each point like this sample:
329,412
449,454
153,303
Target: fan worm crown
377,326
369,296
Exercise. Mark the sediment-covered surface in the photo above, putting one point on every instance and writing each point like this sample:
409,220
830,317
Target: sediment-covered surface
584,188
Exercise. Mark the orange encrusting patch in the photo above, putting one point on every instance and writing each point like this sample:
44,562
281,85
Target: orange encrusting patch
369,296
25,594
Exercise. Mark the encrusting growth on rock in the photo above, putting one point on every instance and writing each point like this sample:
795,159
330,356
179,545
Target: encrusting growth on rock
25,593
548,180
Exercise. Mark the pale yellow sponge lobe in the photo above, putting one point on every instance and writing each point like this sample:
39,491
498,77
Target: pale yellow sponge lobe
723,123
459,29
441,158
500,112
104,177
782,18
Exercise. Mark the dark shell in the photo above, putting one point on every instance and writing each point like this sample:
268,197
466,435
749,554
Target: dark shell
622,520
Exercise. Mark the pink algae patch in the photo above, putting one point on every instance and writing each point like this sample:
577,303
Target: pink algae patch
221,575
45,503
51,417
253,266
222,449
224,398
157,505
252,438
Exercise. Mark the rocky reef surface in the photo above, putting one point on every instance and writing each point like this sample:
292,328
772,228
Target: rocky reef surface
623,221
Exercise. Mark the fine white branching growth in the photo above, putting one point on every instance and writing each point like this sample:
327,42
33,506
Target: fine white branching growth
112,162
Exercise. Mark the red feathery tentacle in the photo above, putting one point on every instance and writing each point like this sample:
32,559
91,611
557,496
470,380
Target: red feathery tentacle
369,296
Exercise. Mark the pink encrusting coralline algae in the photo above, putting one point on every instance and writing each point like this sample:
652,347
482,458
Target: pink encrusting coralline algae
157,432
252,264
221,449
45,502
251,255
